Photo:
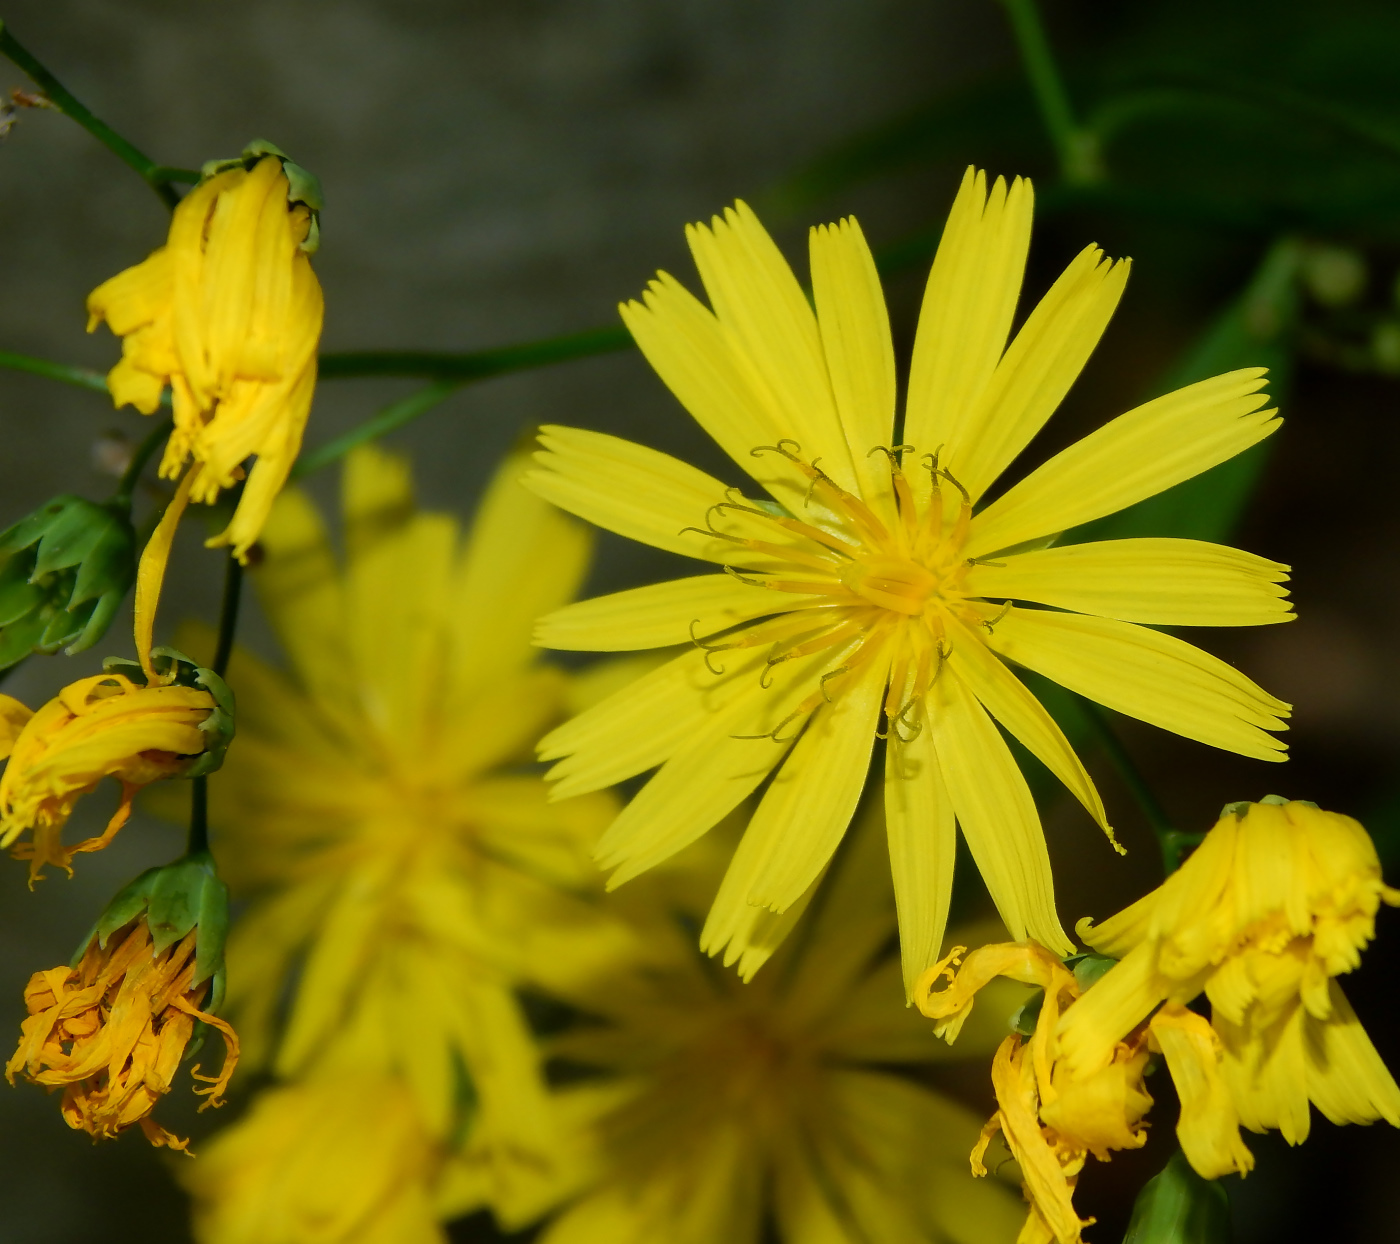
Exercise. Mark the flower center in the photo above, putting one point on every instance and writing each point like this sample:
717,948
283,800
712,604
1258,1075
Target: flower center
895,583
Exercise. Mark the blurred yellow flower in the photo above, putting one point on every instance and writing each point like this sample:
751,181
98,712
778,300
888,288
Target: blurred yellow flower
340,1159
1051,1120
404,874
1278,900
868,588
228,314
715,1107
103,726
112,1031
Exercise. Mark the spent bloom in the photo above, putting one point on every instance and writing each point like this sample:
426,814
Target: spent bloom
403,873
227,314
111,1032
874,587
1052,1121
114,725
715,1107
1279,900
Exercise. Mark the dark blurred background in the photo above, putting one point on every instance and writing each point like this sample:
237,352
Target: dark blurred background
502,171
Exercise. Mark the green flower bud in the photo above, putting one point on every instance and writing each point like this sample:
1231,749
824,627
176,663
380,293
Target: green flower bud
174,665
1179,1207
175,898
1334,275
302,186
64,571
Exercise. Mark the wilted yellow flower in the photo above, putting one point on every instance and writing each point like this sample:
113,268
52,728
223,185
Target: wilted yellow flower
723,1106
103,726
112,1031
868,595
342,1159
228,314
1051,1121
403,873
1278,900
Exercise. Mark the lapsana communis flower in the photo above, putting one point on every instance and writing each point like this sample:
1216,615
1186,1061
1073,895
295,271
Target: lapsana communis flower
228,314
875,589
1278,900
721,1106
403,874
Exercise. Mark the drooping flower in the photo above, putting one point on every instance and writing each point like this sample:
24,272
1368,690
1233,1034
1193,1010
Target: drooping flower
719,1110
403,874
1279,899
110,725
111,1031
340,1159
227,314
1052,1121
877,582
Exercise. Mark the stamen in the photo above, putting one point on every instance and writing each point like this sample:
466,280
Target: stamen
990,623
779,448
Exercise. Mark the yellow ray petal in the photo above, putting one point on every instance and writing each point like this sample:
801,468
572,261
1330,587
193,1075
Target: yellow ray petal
1090,1030
805,811
855,330
761,932
996,812
967,309
1136,455
1160,582
1346,1077
376,491
768,319
523,556
1145,674
1038,369
637,492
1005,696
662,614
922,835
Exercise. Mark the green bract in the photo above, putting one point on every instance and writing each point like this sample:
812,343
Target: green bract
64,571
303,186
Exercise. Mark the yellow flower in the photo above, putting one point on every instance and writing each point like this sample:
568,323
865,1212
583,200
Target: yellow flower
228,314
1278,900
403,873
342,1159
723,1106
104,726
112,1031
1051,1120
869,586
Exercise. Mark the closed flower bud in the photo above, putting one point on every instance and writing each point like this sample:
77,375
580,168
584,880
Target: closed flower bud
228,315
112,1029
64,571
114,724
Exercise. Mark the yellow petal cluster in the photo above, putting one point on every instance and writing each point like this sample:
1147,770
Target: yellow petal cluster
112,1031
1051,1120
717,1110
103,726
1279,899
403,871
341,1159
227,314
870,589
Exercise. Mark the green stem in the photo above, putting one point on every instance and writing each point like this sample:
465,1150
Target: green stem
83,377
392,416
1075,146
142,455
157,176
228,625
1138,787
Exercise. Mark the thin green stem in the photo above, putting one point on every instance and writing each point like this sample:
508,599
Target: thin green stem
392,416
139,458
1097,721
157,176
228,626
1075,146
83,377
